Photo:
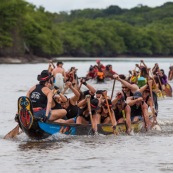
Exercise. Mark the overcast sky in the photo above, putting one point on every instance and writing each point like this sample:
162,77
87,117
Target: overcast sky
68,5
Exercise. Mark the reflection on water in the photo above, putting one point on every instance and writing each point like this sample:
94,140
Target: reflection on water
143,152
44,145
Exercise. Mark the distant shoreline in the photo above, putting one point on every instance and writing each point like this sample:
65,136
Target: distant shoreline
35,60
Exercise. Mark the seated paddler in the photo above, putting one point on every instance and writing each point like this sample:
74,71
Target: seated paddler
41,98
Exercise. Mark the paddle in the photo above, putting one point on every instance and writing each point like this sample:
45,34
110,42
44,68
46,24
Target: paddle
89,108
153,108
13,133
113,88
110,115
160,86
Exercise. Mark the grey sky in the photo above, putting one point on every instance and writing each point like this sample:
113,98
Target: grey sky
68,5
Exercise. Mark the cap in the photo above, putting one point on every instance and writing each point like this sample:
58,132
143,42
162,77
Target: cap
137,95
94,104
44,76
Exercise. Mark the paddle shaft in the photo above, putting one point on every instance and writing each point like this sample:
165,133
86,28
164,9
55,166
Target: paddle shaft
13,133
110,114
153,108
90,113
113,88
160,86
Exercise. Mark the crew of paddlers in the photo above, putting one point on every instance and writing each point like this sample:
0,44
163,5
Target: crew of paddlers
138,96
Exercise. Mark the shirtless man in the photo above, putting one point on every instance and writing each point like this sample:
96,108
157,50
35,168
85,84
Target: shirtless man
59,75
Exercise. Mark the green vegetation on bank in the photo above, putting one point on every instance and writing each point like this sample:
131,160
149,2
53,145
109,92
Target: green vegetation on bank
140,31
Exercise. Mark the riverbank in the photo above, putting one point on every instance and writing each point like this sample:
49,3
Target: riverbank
23,60
35,59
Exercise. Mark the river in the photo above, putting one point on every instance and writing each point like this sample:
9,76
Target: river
143,152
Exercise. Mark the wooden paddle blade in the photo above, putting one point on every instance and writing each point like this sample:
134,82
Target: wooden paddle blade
13,133
168,90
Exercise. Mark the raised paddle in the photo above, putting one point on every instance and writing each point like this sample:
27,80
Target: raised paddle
113,88
13,133
89,108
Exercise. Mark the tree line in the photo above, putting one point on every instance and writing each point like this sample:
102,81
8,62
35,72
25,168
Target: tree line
141,31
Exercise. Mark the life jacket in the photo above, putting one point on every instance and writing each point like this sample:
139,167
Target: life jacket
100,74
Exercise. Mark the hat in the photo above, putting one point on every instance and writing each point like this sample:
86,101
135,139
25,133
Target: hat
94,104
59,62
44,76
137,95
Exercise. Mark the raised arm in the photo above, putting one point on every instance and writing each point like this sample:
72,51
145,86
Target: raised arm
132,87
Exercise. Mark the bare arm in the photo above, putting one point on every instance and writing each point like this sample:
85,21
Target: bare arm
132,87
29,92
49,102
92,89
82,103
131,102
144,64
60,95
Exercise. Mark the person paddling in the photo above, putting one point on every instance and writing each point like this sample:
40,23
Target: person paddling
122,111
139,109
41,99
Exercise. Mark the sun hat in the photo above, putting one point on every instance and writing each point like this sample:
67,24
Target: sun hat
44,76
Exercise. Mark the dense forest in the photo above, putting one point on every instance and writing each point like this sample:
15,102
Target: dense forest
29,30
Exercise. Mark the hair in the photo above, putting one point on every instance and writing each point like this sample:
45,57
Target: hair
42,82
162,71
122,76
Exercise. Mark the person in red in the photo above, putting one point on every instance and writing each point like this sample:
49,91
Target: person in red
100,65
109,72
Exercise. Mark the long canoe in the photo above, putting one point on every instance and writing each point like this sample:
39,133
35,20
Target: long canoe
37,129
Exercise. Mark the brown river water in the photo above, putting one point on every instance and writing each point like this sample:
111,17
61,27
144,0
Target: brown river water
143,152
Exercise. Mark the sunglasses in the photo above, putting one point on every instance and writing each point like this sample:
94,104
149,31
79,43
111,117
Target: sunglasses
63,103
124,87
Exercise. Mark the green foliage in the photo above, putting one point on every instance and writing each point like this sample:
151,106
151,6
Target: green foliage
141,31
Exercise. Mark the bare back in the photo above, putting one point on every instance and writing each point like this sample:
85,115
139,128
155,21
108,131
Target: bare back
58,70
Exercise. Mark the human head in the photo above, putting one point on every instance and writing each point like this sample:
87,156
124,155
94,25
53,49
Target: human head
125,89
59,63
105,105
162,71
94,104
44,77
145,93
98,61
99,93
137,94
64,104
